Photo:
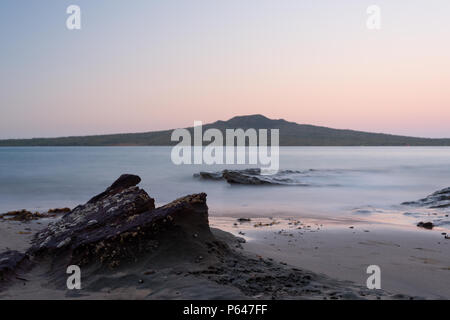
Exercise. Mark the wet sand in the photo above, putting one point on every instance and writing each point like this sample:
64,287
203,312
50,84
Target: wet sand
16,235
413,261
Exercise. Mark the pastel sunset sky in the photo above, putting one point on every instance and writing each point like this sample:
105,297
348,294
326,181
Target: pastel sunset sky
145,65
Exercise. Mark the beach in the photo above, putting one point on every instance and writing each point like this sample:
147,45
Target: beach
414,262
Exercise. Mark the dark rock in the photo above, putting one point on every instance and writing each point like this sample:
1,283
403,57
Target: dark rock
253,176
248,176
121,225
439,199
125,181
426,225
209,175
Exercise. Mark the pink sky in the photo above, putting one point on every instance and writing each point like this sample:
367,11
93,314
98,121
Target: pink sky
148,67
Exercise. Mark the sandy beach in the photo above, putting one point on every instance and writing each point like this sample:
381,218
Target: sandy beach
414,262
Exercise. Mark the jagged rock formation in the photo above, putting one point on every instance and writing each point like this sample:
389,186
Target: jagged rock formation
120,225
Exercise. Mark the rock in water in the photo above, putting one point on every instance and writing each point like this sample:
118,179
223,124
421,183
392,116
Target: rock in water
253,176
209,175
244,177
439,199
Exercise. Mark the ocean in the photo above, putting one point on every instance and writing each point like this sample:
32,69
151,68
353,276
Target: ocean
332,181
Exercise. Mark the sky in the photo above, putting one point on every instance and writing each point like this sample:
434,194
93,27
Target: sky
147,65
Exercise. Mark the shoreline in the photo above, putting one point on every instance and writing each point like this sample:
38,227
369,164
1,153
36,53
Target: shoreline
413,261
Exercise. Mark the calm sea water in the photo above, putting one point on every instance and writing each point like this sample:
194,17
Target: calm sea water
345,180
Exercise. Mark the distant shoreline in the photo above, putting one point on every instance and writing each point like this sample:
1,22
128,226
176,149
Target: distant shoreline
291,135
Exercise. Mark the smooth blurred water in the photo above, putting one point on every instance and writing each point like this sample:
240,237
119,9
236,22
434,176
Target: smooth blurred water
346,178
